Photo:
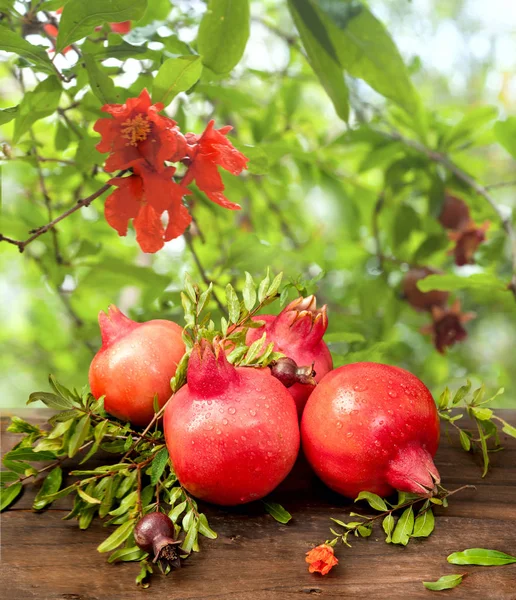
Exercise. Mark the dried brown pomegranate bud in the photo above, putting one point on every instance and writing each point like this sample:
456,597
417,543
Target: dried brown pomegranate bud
467,240
454,213
447,326
422,301
286,370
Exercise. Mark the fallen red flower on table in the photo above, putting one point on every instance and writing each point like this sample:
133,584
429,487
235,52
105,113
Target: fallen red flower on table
208,151
447,325
138,134
321,559
145,196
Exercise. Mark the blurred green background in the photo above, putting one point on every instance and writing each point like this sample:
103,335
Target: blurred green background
307,202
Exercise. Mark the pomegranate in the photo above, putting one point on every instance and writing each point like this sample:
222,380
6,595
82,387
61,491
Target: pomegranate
231,432
454,213
372,427
298,333
135,363
422,301
155,534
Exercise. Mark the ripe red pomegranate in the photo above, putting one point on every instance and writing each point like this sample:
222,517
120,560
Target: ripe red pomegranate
372,427
422,301
232,432
454,213
298,332
136,362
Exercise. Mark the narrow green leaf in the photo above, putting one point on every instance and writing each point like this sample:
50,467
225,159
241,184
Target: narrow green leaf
388,527
176,75
465,440
117,537
87,498
109,495
7,477
127,555
10,41
223,34
98,434
205,529
484,414
159,463
485,451
37,104
277,511
204,298
232,303
191,537
424,524
28,454
508,429
51,485
249,292
274,287
505,133
8,114
373,500
446,582
404,527
481,556
80,18
51,400
175,513
461,393
365,531
82,429
263,287
9,495
100,82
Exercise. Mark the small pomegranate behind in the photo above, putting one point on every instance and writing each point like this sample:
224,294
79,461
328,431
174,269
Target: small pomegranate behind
136,362
454,213
422,301
372,427
232,432
298,333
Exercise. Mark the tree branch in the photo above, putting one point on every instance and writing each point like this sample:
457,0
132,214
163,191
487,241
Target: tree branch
22,244
474,185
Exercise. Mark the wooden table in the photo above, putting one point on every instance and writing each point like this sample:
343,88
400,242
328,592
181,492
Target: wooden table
256,558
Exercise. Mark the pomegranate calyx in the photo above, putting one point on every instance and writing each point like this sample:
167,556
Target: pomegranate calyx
209,372
413,470
166,552
114,325
301,322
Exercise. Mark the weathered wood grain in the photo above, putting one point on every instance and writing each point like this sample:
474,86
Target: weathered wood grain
256,558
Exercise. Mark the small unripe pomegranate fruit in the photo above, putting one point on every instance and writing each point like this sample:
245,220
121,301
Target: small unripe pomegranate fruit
372,427
154,533
454,213
232,432
134,364
298,333
422,301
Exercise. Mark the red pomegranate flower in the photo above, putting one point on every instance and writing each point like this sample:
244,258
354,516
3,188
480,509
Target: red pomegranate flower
121,28
138,134
321,559
467,240
144,197
206,152
447,325
52,31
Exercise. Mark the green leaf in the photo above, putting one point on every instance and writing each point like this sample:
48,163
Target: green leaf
176,75
446,582
18,425
505,133
485,451
51,485
223,34
7,477
461,393
373,500
98,434
117,537
28,454
127,555
465,440
175,513
80,18
159,462
508,429
274,286
8,114
481,556
9,495
233,304
451,282
50,400
205,529
424,524
12,42
249,292
87,498
82,429
404,527
100,82
321,54
484,414
388,527
87,154
277,511
38,104
191,537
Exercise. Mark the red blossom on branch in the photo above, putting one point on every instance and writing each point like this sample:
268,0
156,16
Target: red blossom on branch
121,28
206,152
467,240
145,196
321,559
447,326
52,31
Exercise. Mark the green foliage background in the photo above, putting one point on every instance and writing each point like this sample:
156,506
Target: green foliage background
309,196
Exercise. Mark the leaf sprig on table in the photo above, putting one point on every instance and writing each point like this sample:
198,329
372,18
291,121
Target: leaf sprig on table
485,436
139,478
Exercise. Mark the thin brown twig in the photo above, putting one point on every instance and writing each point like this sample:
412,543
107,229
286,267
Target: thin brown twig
22,244
376,229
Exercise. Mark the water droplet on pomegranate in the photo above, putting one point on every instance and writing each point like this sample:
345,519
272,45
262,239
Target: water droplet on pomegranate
390,412
210,402
267,406
231,410
252,412
221,411
349,434
193,442
339,424
218,431
243,438
225,421
392,394
270,454
208,427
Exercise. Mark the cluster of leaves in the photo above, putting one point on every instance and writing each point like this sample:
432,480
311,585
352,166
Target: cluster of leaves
485,421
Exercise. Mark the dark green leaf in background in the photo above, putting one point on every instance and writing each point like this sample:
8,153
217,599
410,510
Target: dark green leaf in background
10,41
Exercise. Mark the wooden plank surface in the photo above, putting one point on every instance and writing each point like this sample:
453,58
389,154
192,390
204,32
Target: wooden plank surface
256,558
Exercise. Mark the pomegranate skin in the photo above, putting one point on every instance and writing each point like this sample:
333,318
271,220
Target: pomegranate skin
372,427
232,432
136,362
298,333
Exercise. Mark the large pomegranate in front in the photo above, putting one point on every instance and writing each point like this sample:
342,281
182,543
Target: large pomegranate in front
372,427
232,432
134,364
298,333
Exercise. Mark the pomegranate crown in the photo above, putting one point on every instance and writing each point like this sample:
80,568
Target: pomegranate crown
301,320
114,325
209,372
447,325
